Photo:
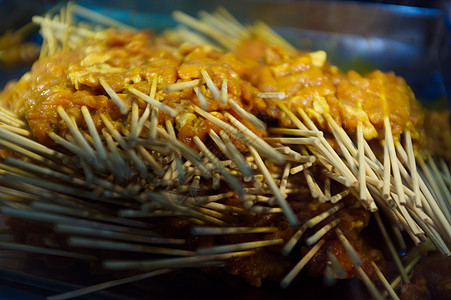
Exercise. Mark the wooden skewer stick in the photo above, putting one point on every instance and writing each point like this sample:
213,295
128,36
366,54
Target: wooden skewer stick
144,117
52,218
118,165
293,141
31,145
446,172
234,154
392,248
320,233
337,197
272,95
27,166
335,176
109,234
431,233
20,131
441,183
96,243
399,239
315,190
259,124
429,202
283,203
256,209
92,214
46,251
94,134
300,265
411,226
372,158
368,163
319,218
36,157
8,117
218,36
167,109
231,180
413,168
300,168
100,18
186,35
219,22
187,152
238,247
387,168
134,125
80,140
153,124
272,37
203,102
327,193
438,199
296,132
204,230
129,151
284,179
183,262
288,247
361,156
107,285
257,142
155,166
231,21
211,85
330,153
212,198
123,107
336,265
395,283
344,142
393,160
75,149
224,97
369,284
349,248
358,265
181,85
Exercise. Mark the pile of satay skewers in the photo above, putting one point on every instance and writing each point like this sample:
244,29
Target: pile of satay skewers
109,189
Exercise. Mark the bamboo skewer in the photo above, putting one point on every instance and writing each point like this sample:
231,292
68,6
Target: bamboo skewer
361,157
392,249
46,251
300,265
413,169
394,162
181,85
148,173
231,180
237,247
107,285
236,156
291,217
320,233
123,107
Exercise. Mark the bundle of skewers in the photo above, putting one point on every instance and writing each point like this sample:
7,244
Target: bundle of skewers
208,167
